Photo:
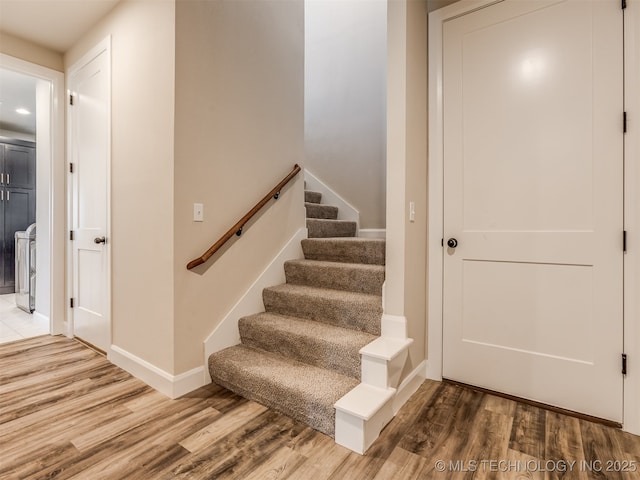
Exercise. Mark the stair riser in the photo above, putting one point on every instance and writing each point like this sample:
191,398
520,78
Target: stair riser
313,351
312,197
372,253
330,228
326,212
338,277
357,315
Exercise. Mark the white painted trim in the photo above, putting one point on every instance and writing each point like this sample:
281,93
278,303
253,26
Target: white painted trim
56,213
364,401
435,177
361,415
103,46
631,411
394,326
346,211
373,233
435,193
383,361
409,386
173,386
363,412
386,348
226,333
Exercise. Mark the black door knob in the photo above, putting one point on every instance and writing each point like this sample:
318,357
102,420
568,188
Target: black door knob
99,240
452,243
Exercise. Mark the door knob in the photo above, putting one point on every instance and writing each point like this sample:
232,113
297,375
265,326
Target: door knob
452,243
102,240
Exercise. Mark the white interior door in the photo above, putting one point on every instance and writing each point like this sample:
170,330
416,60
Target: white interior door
90,147
533,193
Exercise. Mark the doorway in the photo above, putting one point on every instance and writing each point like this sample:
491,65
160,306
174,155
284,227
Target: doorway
18,208
463,265
49,196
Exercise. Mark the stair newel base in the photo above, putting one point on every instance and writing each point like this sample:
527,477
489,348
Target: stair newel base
361,415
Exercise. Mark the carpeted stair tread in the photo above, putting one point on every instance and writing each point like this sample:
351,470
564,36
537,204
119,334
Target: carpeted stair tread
347,250
353,277
312,197
321,228
358,311
301,391
308,341
318,210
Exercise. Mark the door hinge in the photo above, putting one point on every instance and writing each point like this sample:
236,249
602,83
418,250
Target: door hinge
71,168
70,234
624,240
624,363
624,122
624,4
71,302
70,99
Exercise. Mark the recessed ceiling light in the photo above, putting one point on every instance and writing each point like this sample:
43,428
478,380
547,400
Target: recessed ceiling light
22,111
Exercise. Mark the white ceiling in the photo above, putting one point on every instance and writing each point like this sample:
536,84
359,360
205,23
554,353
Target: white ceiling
55,24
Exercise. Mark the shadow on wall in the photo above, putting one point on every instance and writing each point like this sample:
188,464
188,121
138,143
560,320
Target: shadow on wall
345,101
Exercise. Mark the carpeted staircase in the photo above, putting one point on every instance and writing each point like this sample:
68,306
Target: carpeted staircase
301,355
322,220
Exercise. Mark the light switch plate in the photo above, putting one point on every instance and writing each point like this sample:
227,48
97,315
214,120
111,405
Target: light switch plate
198,212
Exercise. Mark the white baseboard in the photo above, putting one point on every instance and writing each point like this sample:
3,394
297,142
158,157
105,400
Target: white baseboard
226,333
409,386
173,386
373,233
346,211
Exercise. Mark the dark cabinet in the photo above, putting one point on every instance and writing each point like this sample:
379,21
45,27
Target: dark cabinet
17,202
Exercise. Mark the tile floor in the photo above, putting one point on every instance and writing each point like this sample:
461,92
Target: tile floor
16,324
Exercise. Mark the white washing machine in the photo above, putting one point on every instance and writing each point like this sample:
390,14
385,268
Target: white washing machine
26,269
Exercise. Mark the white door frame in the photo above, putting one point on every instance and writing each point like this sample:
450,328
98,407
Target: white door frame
631,409
103,46
53,150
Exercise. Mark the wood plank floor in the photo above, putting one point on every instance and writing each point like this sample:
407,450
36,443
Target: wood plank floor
66,412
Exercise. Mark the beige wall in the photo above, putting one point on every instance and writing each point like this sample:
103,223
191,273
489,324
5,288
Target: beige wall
30,52
416,176
407,169
142,121
239,130
234,71
345,101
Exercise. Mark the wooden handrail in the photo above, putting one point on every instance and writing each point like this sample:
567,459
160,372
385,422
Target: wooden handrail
237,228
